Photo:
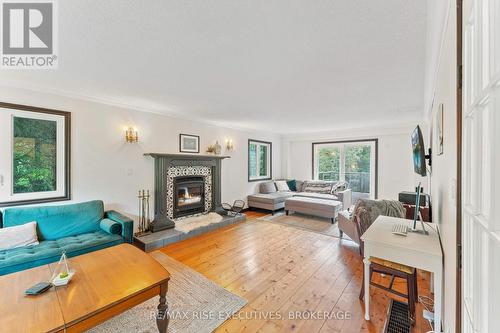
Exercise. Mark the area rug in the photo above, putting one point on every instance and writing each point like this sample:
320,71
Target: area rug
196,304
306,222
194,222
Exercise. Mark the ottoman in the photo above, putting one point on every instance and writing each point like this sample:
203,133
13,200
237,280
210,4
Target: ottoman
313,206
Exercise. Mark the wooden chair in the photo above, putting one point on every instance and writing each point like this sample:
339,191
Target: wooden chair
389,268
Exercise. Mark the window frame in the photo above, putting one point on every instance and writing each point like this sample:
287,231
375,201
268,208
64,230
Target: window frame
269,162
67,155
341,167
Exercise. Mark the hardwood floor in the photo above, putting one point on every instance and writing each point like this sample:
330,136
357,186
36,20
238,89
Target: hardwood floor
253,214
281,270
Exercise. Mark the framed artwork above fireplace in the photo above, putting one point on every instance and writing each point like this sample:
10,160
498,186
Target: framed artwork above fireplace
189,143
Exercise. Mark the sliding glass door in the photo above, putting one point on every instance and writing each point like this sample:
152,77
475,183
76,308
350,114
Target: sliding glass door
352,161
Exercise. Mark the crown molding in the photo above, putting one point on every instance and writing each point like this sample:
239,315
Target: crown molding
356,133
117,104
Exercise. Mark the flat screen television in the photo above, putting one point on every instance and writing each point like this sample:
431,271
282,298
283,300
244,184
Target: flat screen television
418,149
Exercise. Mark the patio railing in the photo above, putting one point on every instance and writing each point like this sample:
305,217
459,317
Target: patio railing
358,181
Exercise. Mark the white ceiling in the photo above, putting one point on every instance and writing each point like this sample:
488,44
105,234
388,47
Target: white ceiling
283,66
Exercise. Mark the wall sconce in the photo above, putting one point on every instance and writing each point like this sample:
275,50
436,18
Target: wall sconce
229,144
131,135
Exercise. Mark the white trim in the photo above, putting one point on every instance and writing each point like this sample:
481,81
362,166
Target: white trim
430,91
7,190
259,145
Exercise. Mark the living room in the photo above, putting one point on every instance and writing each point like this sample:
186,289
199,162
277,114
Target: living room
249,166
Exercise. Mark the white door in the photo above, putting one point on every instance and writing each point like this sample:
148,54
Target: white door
481,167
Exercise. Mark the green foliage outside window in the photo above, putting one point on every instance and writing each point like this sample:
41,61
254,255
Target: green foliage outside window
263,161
34,168
329,163
356,168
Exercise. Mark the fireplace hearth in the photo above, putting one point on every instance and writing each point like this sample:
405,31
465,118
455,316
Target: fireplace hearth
189,195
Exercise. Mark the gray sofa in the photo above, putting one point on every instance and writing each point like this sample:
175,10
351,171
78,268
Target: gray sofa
271,199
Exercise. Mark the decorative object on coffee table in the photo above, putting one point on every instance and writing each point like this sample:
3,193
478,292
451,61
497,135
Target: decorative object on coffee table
189,143
235,209
144,219
62,274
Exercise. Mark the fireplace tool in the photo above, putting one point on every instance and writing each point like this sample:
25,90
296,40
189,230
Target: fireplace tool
235,209
144,220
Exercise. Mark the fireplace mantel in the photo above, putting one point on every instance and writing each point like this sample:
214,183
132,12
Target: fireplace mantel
187,156
162,164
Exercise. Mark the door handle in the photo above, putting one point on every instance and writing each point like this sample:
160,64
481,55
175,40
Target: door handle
1,180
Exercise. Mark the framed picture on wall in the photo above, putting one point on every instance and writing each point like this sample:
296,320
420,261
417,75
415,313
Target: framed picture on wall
189,143
34,155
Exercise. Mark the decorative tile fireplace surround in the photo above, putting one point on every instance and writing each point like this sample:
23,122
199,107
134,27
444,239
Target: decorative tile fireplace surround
185,185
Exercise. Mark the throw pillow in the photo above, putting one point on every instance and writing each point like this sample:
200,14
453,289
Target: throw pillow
282,186
111,227
267,187
317,187
339,186
292,185
18,236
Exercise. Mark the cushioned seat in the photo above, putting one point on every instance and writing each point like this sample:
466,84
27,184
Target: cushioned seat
76,228
317,195
271,198
313,206
393,265
50,251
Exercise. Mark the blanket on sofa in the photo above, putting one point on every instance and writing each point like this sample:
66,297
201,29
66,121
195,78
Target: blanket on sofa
367,211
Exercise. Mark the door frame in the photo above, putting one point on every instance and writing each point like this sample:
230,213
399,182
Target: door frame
458,309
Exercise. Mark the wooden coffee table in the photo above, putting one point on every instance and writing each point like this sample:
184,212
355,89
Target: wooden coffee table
107,283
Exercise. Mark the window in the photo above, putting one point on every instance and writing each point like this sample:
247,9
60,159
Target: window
259,160
352,161
34,155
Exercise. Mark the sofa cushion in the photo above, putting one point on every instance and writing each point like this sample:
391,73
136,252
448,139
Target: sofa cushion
292,184
282,186
339,186
54,222
271,198
317,187
50,251
316,195
267,187
18,236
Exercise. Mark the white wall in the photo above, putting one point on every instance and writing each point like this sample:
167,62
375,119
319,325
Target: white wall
395,168
105,167
445,166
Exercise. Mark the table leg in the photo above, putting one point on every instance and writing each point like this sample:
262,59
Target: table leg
162,316
438,296
367,288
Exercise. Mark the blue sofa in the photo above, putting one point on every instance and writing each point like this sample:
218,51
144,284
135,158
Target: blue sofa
76,228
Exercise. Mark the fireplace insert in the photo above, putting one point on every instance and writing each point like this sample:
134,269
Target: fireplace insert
189,195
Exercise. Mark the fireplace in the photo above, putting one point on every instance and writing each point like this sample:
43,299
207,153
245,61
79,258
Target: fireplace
189,195
200,174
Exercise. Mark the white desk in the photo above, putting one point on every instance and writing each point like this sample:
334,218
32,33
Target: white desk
415,250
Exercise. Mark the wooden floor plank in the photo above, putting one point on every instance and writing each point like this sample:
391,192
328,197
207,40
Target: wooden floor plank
282,270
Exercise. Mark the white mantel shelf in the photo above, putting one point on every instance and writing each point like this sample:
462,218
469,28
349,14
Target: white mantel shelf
188,156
